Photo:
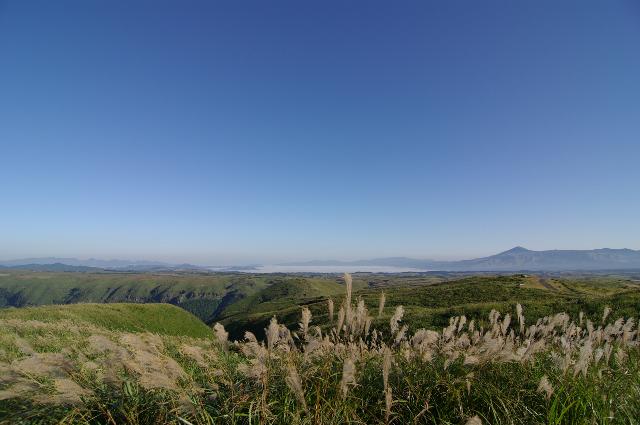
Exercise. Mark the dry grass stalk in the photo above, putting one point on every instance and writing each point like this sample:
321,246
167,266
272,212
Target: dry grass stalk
347,301
295,384
381,304
304,322
474,421
330,308
341,315
605,314
348,376
273,333
386,368
395,319
545,387
388,402
221,334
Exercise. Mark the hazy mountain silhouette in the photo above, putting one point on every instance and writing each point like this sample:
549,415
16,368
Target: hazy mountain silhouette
68,264
515,259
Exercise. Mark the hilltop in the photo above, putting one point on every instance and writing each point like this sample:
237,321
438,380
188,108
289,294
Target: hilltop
162,319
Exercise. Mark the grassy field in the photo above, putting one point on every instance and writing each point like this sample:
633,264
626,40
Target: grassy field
149,364
155,318
248,301
430,304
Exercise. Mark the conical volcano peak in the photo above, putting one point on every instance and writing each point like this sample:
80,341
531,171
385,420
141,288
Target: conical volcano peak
516,250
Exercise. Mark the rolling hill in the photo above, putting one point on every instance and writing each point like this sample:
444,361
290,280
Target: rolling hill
156,363
248,301
208,296
161,319
202,295
431,304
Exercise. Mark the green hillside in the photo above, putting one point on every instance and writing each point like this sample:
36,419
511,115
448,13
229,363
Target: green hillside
202,295
430,305
282,299
162,319
248,301
208,296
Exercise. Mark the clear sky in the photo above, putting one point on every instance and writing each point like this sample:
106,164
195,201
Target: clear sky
236,131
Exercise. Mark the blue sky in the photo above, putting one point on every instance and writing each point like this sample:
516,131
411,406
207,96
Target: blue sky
237,131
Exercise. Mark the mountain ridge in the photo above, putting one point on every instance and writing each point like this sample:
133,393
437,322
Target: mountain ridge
52,263
514,259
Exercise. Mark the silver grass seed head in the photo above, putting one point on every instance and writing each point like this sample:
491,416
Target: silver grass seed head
341,316
222,336
330,308
304,321
383,299
273,333
386,367
395,319
348,376
605,313
545,387
388,402
461,323
474,421
295,384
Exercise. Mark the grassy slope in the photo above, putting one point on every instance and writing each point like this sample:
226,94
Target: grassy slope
423,391
283,299
203,295
156,318
209,297
430,305
247,302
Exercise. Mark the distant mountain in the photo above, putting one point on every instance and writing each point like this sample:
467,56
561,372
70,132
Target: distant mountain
55,267
74,264
159,268
519,258
515,259
91,262
376,262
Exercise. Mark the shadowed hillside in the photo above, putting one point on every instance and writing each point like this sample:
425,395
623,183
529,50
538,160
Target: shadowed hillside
202,295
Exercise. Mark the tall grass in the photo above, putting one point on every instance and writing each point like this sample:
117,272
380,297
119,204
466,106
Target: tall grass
557,369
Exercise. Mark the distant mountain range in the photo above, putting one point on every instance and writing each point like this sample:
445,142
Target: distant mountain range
92,264
515,259
54,267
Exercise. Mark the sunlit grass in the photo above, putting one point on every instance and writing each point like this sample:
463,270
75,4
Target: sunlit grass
504,368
